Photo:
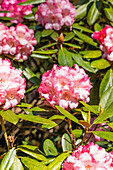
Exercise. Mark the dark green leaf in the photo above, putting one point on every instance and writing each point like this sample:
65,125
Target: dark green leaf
106,82
69,36
54,36
97,27
38,35
100,64
104,134
66,143
85,38
81,11
6,18
33,164
48,45
17,165
49,148
8,159
82,63
9,116
77,26
64,57
108,10
56,164
93,54
46,33
93,12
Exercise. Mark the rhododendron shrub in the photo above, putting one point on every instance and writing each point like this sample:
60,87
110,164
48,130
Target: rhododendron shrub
65,86
90,157
18,41
55,13
15,11
12,85
105,38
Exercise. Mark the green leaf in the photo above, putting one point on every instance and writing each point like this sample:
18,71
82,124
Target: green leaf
67,114
32,153
100,64
90,108
57,117
85,38
77,26
111,1
33,164
66,143
69,36
82,63
103,116
97,27
81,11
6,18
37,119
9,116
46,52
93,12
40,56
49,148
56,164
108,10
110,124
77,133
54,36
29,16
8,159
104,134
17,165
107,98
72,45
31,76
93,54
24,105
46,33
38,35
31,88
106,82
64,57
29,2
48,45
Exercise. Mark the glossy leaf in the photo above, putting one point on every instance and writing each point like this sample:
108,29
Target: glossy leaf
17,165
93,54
56,164
111,1
29,2
46,52
77,133
49,148
54,36
9,116
93,12
64,57
90,108
33,164
85,38
72,45
107,98
108,10
67,114
106,82
24,105
110,124
46,33
8,159
38,35
66,143
69,36
82,63
104,134
77,26
81,11
40,56
97,27
100,64
37,119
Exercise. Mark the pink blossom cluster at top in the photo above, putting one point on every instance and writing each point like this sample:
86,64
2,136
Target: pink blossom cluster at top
105,38
65,86
55,13
89,157
17,41
15,11
12,85
96,138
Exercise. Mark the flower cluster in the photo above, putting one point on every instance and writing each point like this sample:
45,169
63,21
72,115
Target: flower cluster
17,41
12,85
90,157
105,38
55,13
15,11
65,86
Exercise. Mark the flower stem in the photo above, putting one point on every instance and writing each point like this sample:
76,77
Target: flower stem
4,131
70,128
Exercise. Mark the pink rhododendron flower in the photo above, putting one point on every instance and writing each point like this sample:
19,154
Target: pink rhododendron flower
55,13
105,38
15,11
89,157
96,138
65,86
17,41
12,85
